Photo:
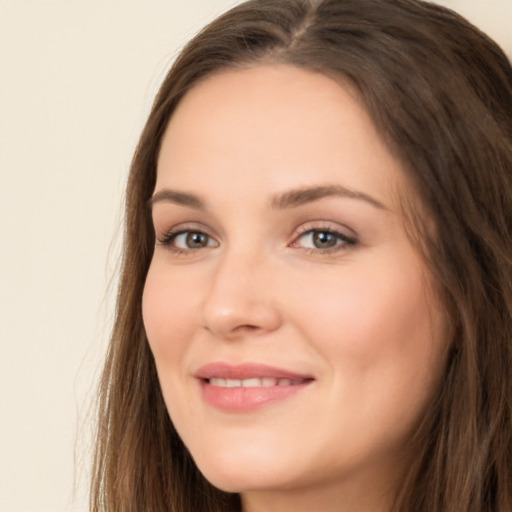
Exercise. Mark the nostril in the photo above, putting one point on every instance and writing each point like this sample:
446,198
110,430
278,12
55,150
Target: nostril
249,327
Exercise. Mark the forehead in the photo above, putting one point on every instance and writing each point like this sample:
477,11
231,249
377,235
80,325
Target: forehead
287,125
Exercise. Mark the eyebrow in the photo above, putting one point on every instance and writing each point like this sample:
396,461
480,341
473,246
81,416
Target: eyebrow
181,198
289,199
301,196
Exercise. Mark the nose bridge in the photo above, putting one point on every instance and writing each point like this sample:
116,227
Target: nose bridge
239,298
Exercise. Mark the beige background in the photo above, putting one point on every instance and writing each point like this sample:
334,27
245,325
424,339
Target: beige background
76,81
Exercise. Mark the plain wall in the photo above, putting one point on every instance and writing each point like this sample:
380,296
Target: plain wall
76,82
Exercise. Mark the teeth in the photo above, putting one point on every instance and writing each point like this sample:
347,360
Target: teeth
251,383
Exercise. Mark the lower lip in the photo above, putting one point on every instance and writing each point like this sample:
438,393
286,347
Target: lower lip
241,399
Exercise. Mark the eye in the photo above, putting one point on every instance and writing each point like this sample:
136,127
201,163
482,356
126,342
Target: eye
323,240
187,240
192,240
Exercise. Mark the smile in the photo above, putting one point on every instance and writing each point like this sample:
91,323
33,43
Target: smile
247,387
263,382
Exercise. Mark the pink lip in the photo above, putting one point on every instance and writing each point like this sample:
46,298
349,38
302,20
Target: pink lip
245,399
246,371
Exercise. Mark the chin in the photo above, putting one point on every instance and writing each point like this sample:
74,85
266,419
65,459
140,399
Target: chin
242,481
246,470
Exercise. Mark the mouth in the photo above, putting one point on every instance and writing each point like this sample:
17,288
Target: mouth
262,382
246,387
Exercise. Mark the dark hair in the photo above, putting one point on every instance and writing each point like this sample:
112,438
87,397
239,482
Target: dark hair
440,93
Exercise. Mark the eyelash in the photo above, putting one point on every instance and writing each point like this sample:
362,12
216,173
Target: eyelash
343,241
170,237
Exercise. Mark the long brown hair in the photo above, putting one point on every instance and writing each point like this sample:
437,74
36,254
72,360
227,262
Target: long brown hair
440,93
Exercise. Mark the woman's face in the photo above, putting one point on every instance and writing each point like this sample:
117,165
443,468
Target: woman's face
292,321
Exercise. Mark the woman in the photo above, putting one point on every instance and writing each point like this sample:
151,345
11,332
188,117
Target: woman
315,308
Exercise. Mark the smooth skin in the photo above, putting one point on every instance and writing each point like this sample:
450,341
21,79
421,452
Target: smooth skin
281,241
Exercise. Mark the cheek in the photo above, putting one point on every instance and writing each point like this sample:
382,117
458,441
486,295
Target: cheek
381,334
166,311
363,308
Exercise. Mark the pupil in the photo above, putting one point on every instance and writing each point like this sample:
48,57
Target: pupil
196,240
323,239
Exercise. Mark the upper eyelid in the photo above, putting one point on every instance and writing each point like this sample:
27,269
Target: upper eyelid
186,226
324,225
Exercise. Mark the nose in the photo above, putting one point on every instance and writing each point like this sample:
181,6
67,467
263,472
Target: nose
240,299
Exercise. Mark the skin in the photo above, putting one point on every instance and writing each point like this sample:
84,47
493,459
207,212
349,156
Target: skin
359,317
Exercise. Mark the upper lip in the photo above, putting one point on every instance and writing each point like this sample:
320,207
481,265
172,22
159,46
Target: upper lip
246,371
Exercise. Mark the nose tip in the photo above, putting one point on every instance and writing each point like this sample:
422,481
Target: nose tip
239,319
240,302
